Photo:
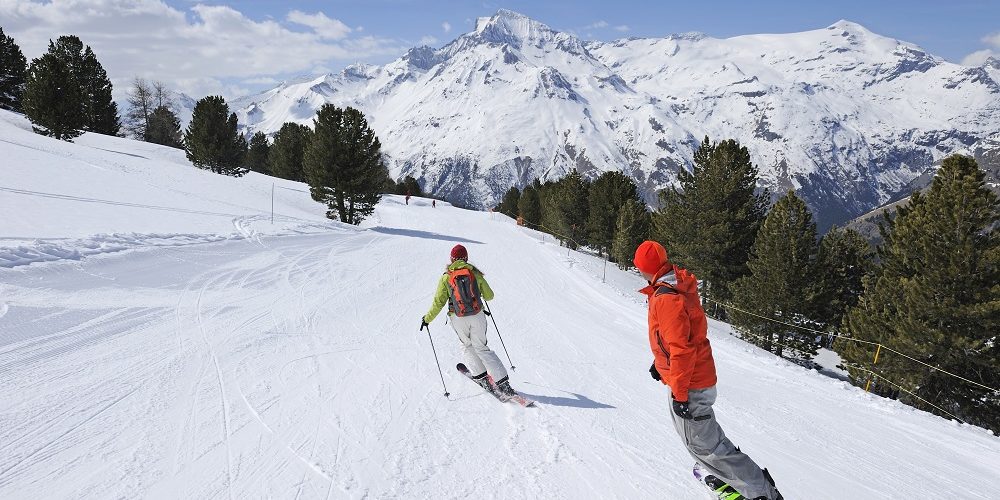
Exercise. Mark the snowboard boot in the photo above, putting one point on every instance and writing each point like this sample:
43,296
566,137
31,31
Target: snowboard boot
484,381
767,475
723,490
503,387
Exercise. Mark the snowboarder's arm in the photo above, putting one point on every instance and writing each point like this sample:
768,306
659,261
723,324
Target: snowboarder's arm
440,299
484,287
676,328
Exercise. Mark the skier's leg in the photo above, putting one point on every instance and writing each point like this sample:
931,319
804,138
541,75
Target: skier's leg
709,445
478,339
463,327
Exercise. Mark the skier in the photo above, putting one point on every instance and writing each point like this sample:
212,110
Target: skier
434,203
464,288
682,360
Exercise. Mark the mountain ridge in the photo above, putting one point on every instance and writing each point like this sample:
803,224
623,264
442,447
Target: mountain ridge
844,116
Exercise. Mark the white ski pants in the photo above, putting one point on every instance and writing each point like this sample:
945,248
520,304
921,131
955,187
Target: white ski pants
713,450
479,358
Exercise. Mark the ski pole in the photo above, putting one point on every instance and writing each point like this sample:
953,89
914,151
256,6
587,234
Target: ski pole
446,394
490,314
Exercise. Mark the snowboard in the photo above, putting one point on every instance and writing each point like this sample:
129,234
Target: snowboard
517,398
718,488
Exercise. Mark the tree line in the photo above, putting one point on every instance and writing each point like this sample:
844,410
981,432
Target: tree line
931,289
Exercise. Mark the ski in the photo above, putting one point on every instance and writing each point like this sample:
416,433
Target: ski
718,488
517,398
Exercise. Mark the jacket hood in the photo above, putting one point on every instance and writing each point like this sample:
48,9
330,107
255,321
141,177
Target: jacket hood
681,279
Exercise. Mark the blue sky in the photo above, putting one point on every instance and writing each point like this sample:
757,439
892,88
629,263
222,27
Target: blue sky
950,29
233,48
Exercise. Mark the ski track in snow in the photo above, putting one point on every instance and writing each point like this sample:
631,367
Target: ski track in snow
291,367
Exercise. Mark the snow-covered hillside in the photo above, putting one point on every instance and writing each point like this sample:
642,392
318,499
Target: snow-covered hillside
289,364
843,115
104,193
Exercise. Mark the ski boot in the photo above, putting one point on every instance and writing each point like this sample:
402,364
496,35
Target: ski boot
504,388
484,381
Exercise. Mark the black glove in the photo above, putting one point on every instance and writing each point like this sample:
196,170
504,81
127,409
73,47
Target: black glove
681,408
653,372
423,324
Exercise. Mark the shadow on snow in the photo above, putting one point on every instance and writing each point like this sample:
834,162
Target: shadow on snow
421,234
577,401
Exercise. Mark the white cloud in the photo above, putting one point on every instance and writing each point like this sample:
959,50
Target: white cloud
598,24
323,26
204,50
428,40
446,26
979,57
622,28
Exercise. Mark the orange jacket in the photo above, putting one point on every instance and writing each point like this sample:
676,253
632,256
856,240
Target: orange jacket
678,334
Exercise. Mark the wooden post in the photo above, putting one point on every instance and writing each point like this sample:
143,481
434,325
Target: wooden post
875,362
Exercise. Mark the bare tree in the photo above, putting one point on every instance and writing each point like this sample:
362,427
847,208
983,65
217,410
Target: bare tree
163,97
141,102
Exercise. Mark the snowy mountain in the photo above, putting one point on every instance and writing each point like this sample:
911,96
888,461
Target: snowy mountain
161,338
841,114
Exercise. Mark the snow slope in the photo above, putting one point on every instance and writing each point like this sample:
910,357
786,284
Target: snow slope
100,194
290,366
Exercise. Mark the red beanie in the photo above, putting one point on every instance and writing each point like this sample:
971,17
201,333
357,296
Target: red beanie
459,252
651,258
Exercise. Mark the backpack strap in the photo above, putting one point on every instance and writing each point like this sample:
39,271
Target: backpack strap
665,288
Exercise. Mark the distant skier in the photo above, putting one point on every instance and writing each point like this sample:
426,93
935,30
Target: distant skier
682,360
434,203
464,288
407,197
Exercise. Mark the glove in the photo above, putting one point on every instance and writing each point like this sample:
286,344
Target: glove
681,408
423,323
653,372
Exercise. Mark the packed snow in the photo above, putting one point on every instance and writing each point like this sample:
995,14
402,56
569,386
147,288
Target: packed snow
169,341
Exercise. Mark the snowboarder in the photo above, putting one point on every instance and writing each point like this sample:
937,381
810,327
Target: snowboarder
682,360
464,288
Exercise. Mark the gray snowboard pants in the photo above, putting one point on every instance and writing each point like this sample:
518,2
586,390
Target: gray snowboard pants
715,452
479,358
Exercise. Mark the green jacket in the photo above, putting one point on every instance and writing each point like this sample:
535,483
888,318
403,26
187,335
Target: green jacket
443,293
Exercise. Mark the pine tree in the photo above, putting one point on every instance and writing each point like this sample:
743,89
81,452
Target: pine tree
409,186
937,298
607,194
99,106
164,128
285,158
710,223
13,70
90,95
212,141
343,164
52,98
631,229
565,208
780,284
508,205
258,153
844,259
529,205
